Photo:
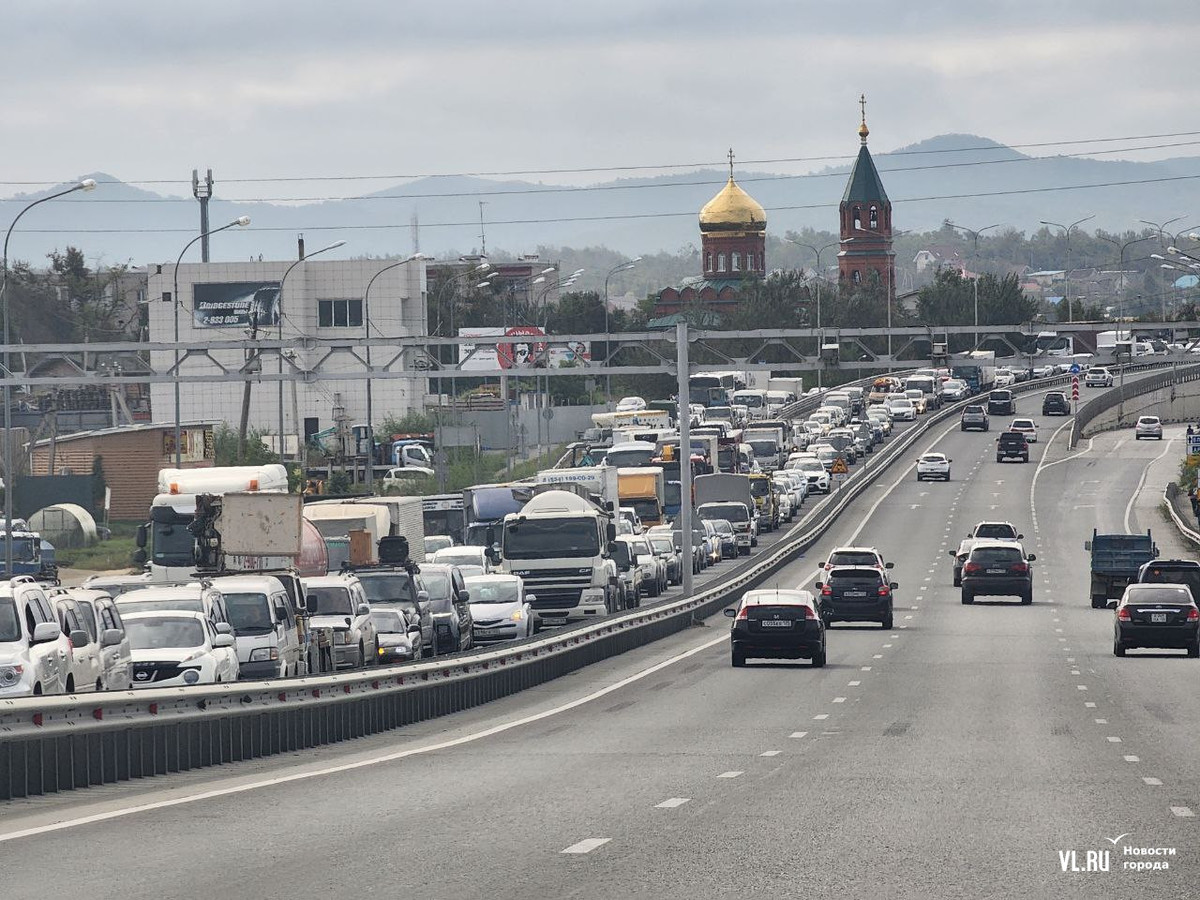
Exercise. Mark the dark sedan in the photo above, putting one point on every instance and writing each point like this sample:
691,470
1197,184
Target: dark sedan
776,624
1157,615
998,569
856,594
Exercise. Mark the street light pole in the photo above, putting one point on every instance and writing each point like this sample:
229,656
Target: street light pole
623,267
1121,271
1067,230
820,277
10,481
240,222
975,233
279,312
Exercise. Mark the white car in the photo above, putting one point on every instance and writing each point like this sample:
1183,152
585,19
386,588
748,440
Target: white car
463,555
1005,378
500,608
339,602
1027,427
436,542
84,664
1098,376
31,662
631,404
933,465
901,409
1148,427
103,622
173,649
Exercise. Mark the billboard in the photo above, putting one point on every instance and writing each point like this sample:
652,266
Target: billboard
235,304
518,347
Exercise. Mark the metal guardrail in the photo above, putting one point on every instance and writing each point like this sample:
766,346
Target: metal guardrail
1106,401
55,743
1169,495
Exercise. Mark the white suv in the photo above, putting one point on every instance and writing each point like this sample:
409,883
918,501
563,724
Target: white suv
34,653
1098,376
341,604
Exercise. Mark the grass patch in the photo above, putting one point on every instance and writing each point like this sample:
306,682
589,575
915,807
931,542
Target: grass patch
115,553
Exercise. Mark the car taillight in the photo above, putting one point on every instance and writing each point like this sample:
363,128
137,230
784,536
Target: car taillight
1123,614
971,568
809,612
884,590
1020,567
1193,614
826,591
744,613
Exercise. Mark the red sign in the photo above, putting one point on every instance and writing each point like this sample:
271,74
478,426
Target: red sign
1075,388
521,354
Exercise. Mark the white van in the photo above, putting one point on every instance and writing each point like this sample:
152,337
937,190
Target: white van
755,402
103,621
33,649
265,633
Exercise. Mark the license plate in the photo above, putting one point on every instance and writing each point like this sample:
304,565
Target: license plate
856,593
554,620
995,571
1158,618
771,623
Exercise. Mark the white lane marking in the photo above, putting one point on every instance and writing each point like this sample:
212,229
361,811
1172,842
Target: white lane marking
1141,484
914,606
908,617
887,646
771,753
877,656
821,718
1058,630
1070,659
1082,687
798,734
1042,464
1184,812
1090,705
587,846
1113,739
1102,721
734,774
1132,758
363,763
839,699
853,683
894,635
673,803
1153,782
1076,672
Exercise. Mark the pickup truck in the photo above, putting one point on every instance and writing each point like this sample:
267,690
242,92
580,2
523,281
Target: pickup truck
1116,560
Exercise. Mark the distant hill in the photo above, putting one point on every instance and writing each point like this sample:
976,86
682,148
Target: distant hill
970,179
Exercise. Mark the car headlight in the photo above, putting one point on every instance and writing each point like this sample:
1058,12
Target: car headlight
264,654
341,637
191,676
10,675
592,594
518,615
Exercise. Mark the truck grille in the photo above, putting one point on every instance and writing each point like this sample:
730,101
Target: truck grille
555,588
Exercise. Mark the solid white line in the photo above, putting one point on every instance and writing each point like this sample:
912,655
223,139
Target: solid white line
672,803
1142,483
362,763
1152,781
587,846
733,774
771,753
1184,812
1131,758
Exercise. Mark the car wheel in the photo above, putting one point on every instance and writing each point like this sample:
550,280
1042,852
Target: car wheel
947,478
967,598
737,659
999,459
1099,601
1027,598
70,684
1193,651
818,659
362,655
1118,648
957,580
887,622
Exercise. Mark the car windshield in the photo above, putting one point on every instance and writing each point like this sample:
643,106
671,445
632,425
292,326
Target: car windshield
853,558
722,526
501,591
987,556
389,588
453,556
995,530
388,621
153,633
331,600
10,622
551,538
249,613
437,542
130,604
662,544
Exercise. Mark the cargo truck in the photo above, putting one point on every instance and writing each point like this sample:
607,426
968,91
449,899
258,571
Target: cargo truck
484,507
601,482
725,490
1116,559
977,369
443,514
643,488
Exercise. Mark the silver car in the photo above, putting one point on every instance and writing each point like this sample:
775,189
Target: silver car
500,608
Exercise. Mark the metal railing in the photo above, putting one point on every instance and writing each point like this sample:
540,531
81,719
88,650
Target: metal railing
1095,407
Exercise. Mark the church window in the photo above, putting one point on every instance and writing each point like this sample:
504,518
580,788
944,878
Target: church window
720,262
857,217
735,261
874,218
708,261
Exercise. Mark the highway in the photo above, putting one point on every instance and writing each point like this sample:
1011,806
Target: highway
966,753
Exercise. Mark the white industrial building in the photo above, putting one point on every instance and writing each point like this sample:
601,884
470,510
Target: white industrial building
323,299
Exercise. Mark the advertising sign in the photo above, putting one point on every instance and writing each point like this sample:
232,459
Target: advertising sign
517,347
236,304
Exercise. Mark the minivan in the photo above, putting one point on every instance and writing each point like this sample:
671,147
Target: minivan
265,632
33,649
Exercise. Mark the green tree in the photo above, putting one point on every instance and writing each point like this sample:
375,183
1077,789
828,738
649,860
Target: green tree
225,440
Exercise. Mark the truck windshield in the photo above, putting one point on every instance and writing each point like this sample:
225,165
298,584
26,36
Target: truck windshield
551,538
629,457
730,512
173,544
764,448
249,613
760,487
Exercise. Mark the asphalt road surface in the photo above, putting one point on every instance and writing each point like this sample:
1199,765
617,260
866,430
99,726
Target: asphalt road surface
972,751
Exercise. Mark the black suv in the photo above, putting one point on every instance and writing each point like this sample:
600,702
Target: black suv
854,594
998,569
974,416
1012,445
1002,403
1056,403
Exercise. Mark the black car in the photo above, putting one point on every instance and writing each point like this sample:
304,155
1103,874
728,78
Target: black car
997,569
856,594
975,417
1056,403
1012,445
1002,403
777,624
449,603
1157,615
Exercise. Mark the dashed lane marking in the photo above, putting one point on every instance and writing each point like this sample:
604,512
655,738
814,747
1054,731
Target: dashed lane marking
733,774
1183,812
839,699
587,845
798,734
821,717
854,684
770,753
1153,782
1129,757
672,803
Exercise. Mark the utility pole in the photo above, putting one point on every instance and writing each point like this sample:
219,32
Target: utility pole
685,454
202,191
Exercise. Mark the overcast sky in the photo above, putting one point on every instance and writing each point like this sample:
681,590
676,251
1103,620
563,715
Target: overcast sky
148,89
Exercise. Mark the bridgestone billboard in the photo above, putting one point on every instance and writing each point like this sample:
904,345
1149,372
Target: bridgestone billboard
236,304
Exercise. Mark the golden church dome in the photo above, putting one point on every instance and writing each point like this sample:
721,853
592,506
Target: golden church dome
732,210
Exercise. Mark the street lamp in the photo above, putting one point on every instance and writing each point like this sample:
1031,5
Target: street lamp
239,222
10,482
366,310
623,267
975,261
279,313
820,277
1067,229
1121,271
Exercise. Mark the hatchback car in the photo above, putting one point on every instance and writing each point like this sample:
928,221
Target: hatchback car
1148,427
500,608
998,569
855,594
1012,445
1157,615
933,466
1002,403
974,418
1056,403
1027,427
779,624
1098,376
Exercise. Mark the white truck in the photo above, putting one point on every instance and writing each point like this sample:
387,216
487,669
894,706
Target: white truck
172,557
559,545
601,481
727,496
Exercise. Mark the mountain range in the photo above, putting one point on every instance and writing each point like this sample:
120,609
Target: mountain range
970,180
